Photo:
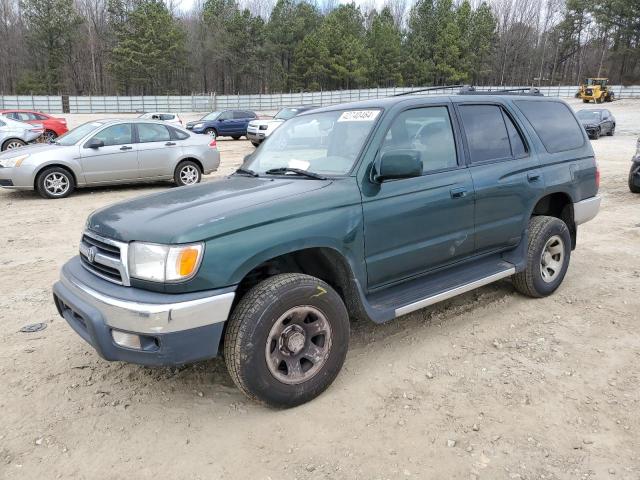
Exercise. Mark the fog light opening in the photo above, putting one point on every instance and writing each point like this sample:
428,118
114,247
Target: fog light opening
127,340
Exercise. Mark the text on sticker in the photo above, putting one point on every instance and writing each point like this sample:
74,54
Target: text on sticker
359,116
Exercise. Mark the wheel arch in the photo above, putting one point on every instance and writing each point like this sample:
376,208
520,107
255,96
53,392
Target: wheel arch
10,139
324,262
558,204
64,166
190,158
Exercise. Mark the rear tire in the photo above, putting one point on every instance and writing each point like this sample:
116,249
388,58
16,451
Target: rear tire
255,144
55,182
237,137
12,143
548,255
49,136
287,340
632,173
187,173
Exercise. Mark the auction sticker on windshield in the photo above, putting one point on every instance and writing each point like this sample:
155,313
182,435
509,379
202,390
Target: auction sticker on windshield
358,116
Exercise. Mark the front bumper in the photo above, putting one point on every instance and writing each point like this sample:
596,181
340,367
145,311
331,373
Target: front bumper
256,136
586,210
173,329
19,178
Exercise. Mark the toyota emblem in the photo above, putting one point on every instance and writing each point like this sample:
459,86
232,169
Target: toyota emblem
91,254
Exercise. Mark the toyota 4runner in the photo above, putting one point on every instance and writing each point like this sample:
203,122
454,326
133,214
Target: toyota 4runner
366,210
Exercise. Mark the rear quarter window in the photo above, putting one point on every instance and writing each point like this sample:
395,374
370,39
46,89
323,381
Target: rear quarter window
554,123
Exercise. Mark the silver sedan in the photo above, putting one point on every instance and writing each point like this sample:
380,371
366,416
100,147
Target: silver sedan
14,134
108,152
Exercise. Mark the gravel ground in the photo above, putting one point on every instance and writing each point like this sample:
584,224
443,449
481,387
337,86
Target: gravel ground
489,385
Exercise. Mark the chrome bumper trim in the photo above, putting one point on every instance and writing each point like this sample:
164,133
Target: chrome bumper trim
153,318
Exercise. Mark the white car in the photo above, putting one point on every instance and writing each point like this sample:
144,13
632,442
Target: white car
259,130
170,118
14,134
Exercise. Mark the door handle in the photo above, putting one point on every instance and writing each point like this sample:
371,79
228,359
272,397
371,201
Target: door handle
169,144
458,192
533,177
126,148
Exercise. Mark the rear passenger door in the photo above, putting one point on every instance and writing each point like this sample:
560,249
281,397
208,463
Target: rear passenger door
241,122
157,152
414,225
506,175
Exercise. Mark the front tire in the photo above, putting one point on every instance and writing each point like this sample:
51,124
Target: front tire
632,173
548,255
596,135
612,131
187,173
49,136
287,340
55,182
211,132
12,143
237,137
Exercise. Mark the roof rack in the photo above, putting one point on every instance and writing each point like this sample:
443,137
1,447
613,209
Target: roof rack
467,90
443,87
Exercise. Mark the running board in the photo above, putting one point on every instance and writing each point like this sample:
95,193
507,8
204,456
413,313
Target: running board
425,302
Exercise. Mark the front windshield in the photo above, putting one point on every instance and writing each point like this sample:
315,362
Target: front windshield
74,136
587,115
211,116
326,143
286,113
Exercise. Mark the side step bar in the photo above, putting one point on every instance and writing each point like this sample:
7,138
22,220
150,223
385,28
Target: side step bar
425,302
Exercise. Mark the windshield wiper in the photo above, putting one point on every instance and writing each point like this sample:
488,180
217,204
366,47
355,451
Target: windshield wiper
246,171
297,171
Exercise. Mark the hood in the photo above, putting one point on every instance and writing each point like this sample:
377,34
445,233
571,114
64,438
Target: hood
199,212
32,149
588,123
257,123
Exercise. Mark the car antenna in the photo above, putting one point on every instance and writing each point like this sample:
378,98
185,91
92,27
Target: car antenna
428,89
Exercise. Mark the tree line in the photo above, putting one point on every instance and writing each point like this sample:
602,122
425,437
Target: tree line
150,47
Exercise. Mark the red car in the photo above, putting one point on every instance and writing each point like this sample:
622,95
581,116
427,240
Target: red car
53,127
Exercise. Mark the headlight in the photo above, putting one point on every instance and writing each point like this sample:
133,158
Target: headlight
198,125
264,127
14,162
164,263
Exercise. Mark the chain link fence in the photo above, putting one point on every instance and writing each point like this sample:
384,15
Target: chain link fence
259,102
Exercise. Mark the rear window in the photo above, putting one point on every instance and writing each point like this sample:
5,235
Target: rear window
554,123
178,134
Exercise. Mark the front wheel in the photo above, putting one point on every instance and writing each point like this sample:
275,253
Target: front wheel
12,143
211,132
49,136
187,173
634,178
596,134
287,340
55,182
237,137
612,131
548,254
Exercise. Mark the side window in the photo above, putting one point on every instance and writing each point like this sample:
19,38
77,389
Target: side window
518,148
2,124
178,134
39,116
166,116
554,123
427,130
13,115
116,135
486,132
226,116
238,115
24,116
152,132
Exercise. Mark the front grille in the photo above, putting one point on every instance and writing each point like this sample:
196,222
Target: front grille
104,257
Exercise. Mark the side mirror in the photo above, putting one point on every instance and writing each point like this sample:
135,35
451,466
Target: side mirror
94,143
395,164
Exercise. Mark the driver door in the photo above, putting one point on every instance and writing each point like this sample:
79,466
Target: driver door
415,225
116,161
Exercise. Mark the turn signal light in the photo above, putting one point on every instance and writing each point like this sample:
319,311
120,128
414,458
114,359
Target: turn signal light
187,261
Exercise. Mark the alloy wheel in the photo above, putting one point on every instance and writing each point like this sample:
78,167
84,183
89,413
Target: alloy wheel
189,175
56,184
552,259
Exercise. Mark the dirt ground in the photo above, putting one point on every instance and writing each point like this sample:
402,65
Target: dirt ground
490,385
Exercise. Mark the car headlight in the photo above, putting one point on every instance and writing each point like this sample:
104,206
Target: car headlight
164,263
264,127
198,125
14,162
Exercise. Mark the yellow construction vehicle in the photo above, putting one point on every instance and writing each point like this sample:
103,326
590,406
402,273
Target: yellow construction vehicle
595,89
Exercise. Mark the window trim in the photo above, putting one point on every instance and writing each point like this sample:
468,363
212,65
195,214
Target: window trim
137,136
454,129
504,110
133,134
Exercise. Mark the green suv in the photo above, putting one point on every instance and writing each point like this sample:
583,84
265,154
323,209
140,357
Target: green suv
367,210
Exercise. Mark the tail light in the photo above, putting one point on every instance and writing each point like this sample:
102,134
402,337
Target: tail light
213,143
597,176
